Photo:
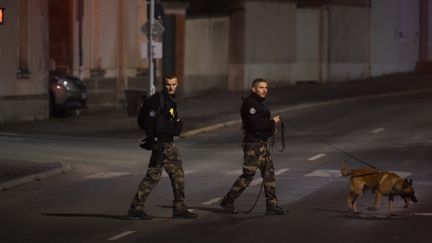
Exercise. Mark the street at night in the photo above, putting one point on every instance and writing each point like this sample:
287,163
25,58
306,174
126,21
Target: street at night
89,203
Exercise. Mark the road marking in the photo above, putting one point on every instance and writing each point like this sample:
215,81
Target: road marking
259,180
423,214
324,173
106,175
126,233
8,134
186,172
316,157
336,173
377,130
211,201
278,172
233,172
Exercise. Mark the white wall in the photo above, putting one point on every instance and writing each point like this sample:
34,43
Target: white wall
349,43
308,45
206,55
394,36
270,42
24,99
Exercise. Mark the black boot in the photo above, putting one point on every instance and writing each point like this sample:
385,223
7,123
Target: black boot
228,206
184,213
276,210
138,214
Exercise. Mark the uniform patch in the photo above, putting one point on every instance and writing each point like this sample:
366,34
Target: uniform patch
252,111
152,113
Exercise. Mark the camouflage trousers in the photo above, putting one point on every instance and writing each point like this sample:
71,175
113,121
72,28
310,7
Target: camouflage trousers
167,157
256,156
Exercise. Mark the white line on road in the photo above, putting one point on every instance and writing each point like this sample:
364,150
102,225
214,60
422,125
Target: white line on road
8,134
233,172
377,130
259,180
126,233
423,214
105,175
316,157
186,172
211,201
336,173
324,173
278,172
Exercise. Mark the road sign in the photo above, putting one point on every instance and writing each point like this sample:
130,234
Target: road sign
158,29
157,50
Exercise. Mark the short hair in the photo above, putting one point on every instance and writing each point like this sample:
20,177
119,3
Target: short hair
169,76
258,80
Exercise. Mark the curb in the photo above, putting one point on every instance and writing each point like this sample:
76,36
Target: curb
230,123
35,177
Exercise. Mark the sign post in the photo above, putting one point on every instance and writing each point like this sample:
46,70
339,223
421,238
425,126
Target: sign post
153,29
150,48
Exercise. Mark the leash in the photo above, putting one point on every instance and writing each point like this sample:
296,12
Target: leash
273,146
331,145
256,200
261,188
273,140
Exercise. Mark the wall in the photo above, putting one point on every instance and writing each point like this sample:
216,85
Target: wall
24,98
429,52
270,42
206,55
111,45
394,36
349,43
308,46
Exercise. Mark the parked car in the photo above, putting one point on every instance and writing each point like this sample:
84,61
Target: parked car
67,93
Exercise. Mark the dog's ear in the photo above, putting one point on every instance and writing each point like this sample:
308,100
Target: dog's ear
410,182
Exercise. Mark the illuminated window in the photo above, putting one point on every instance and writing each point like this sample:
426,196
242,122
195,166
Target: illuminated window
2,10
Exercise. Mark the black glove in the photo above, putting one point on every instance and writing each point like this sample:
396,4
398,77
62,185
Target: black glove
148,143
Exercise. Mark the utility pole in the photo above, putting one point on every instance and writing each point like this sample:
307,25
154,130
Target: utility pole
80,16
150,47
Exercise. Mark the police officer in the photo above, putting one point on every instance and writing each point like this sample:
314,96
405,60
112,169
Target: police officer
258,127
161,125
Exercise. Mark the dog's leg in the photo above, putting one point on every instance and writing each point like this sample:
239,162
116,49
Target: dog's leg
378,196
352,198
406,202
391,212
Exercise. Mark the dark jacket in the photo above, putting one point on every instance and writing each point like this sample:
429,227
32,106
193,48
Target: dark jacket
257,124
163,122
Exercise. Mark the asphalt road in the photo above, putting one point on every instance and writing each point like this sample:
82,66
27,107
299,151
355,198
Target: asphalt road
89,204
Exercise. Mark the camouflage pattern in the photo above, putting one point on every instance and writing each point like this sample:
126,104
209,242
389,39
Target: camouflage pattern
167,157
256,156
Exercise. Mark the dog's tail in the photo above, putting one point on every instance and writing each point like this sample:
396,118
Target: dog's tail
344,169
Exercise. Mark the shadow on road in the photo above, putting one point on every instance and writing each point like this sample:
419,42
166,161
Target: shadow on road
90,215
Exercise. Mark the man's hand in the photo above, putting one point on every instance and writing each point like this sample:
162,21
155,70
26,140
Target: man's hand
276,119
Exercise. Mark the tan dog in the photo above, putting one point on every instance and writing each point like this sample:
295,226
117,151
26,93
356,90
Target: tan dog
380,182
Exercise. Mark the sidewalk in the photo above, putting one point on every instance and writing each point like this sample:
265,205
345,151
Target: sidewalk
203,113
